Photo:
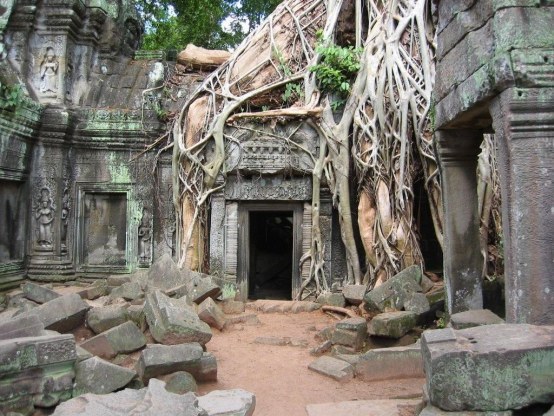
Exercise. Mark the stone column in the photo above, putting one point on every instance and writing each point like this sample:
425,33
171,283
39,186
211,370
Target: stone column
523,120
463,261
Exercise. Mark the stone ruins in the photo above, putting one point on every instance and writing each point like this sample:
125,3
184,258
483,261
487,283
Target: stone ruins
80,202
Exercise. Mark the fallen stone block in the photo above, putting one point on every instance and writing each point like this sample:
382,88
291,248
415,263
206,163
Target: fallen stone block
210,313
477,317
172,321
116,280
97,289
232,307
390,363
321,348
304,306
152,401
392,407
124,338
235,402
431,410
392,293
206,369
82,354
164,274
38,293
136,314
392,324
200,287
36,371
98,376
354,294
103,318
332,299
156,360
180,382
243,318
426,283
128,291
62,314
21,326
350,332
325,334
332,367
416,303
274,341
489,368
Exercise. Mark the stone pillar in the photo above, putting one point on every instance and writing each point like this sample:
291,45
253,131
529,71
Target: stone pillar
523,121
463,261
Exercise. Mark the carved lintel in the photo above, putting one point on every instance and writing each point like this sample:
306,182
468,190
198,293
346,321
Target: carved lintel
269,188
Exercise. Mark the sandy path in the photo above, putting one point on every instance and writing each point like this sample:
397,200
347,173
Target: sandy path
279,375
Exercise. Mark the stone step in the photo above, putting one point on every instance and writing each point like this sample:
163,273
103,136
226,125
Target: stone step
283,306
393,407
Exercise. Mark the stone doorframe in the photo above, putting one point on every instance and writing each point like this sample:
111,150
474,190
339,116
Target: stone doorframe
243,270
495,74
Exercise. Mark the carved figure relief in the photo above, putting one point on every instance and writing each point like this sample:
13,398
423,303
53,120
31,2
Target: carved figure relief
145,237
65,219
49,72
44,215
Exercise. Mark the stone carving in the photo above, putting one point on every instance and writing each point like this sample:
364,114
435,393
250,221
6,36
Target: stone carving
64,218
145,237
49,72
294,189
44,215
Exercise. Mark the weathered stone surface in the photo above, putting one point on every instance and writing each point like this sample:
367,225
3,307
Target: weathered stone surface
210,313
21,326
392,293
304,306
82,354
136,314
152,401
200,287
62,314
98,376
38,293
497,367
283,306
417,303
244,318
332,367
206,370
172,321
235,402
232,307
116,280
426,283
103,318
399,407
354,294
332,299
350,332
274,341
156,360
475,317
390,363
164,274
97,289
392,324
121,339
321,348
180,382
431,410
128,291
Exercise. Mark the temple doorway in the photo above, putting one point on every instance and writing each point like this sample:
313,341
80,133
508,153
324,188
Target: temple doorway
269,250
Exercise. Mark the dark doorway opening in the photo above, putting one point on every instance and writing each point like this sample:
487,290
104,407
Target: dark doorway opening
430,246
271,254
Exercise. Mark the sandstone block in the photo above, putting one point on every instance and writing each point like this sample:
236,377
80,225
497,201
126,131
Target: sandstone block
206,369
38,293
393,407
354,294
180,382
98,376
392,324
136,314
392,293
390,363
172,321
332,367
21,326
128,291
496,367
200,287
116,280
235,402
103,318
476,317
332,299
417,303
304,306
152,401
232,307
210,313
164,274
350,332
62,314
94,291
156,360
124,338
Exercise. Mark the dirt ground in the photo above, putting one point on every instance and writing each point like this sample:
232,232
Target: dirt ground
279,375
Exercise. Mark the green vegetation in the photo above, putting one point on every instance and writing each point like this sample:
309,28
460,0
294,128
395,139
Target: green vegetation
215,24
337,67
10,96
